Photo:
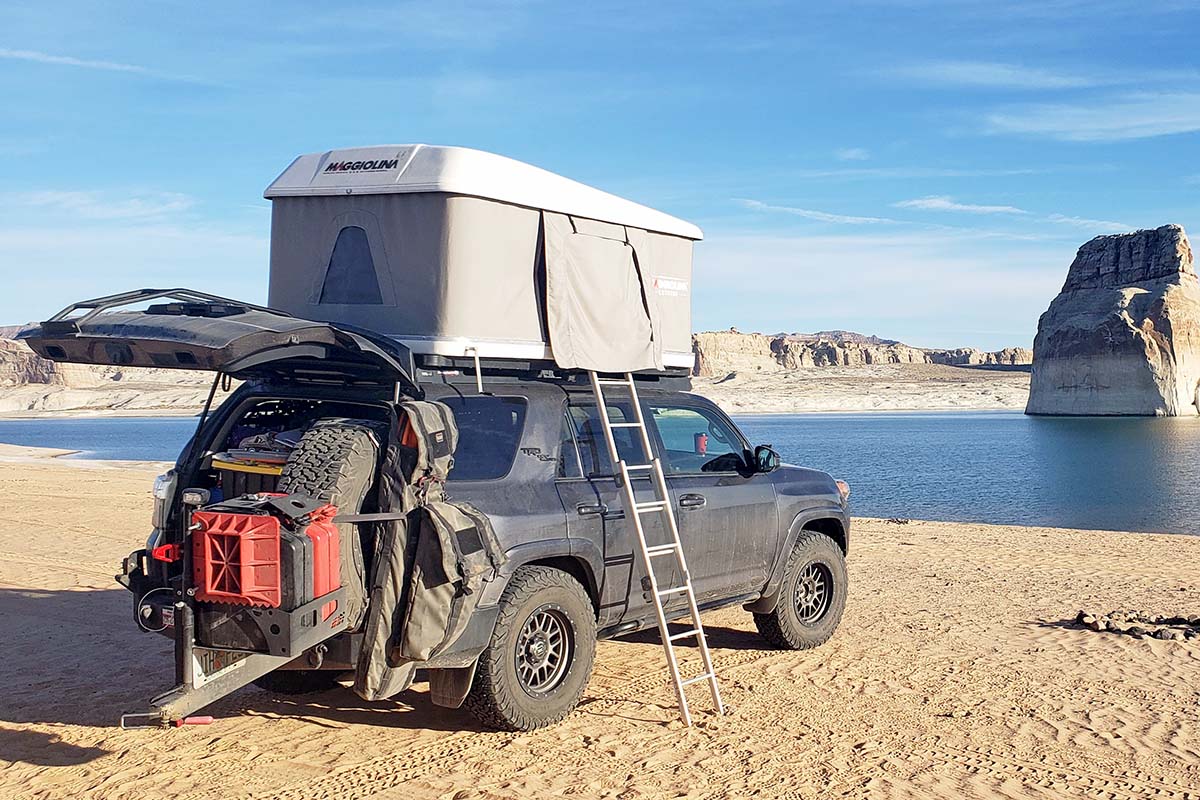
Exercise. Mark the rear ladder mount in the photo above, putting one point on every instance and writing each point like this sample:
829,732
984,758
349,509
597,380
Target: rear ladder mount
661,504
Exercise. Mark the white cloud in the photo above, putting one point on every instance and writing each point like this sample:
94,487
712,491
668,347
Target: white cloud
1020,77
1132,116
70,61
943,203
818,216
993,75
38,57
93,205
1090,224
852,154
927,288
907,173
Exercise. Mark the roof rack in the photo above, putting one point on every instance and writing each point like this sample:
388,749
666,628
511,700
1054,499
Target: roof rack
190,301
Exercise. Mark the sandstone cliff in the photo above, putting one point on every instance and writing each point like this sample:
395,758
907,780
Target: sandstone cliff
30,383
1123,335
719,353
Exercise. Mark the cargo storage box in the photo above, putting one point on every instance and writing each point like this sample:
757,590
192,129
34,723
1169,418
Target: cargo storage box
457,252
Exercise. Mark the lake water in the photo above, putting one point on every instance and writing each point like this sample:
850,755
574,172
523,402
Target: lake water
1119,474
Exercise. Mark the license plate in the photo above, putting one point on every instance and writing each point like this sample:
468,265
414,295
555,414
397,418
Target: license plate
211,664
168,616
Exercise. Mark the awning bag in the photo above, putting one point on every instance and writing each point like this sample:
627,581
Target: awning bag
429,564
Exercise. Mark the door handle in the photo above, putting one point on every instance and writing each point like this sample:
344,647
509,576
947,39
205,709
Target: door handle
586,509
692,501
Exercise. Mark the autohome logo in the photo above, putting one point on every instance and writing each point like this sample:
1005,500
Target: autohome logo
670,287
376,165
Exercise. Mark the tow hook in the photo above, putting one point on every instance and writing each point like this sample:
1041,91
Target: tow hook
316,656
135,721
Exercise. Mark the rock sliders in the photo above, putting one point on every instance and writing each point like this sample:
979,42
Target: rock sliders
1123,335
1142,625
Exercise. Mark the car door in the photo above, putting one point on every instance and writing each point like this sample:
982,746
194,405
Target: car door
596,508
728,521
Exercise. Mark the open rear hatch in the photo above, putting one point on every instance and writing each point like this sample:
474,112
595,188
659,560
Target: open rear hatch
193,330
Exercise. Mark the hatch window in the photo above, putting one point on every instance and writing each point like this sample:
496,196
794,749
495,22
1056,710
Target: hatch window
350,278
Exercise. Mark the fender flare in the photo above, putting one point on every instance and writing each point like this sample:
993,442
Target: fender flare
770,596
453,672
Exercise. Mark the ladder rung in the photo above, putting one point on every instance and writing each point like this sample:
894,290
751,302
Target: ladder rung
657,505
611,382
660,549
672,590
624,424
639,467
697,679
684,635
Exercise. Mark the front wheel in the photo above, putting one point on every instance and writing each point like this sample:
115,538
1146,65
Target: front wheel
811,597
540,656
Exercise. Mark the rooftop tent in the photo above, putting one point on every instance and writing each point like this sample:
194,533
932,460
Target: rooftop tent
448,249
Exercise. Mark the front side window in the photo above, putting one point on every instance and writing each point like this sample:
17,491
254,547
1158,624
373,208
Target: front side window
489,432
589,433
697,440
350,277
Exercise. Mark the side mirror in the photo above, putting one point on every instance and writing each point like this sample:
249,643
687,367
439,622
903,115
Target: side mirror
765,459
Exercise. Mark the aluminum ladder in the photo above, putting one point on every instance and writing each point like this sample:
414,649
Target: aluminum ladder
660,505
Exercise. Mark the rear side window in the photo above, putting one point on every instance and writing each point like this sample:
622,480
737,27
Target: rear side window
489,431
351,278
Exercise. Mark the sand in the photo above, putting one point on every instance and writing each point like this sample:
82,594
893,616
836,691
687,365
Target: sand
956,674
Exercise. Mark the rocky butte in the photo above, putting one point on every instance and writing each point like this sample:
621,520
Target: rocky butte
1123,335
721,352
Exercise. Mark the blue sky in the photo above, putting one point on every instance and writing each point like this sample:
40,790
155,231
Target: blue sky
920,170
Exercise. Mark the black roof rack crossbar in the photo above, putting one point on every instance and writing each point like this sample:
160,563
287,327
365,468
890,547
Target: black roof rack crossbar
63,320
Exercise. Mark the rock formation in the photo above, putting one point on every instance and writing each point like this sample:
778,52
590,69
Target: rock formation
1123,335
719,353
30,383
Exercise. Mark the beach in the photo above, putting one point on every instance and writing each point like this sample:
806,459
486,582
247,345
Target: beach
957,672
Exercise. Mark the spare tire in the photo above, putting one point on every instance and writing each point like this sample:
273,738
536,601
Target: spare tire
336,461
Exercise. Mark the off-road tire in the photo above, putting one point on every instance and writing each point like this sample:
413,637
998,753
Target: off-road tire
497,697
783,627
335,461
298,681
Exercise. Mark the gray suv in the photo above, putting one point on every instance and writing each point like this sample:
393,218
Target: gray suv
531,456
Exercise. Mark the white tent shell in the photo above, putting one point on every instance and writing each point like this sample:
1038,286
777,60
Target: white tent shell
453,251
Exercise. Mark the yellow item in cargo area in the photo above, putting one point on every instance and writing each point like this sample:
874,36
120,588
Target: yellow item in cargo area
245,466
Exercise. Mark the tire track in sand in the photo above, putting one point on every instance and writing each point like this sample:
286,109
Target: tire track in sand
364,780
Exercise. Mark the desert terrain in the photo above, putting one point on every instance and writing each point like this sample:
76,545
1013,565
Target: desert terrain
879,387
740,372
958,672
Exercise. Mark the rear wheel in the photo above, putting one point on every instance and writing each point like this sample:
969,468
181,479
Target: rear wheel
539,660
336,462
812,596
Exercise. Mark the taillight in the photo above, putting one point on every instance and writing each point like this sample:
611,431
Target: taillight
164,491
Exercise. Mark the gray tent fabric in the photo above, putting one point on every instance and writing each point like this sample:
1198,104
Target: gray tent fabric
596,301
454,272
429,564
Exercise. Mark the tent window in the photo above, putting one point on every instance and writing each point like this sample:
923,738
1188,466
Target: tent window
351,277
